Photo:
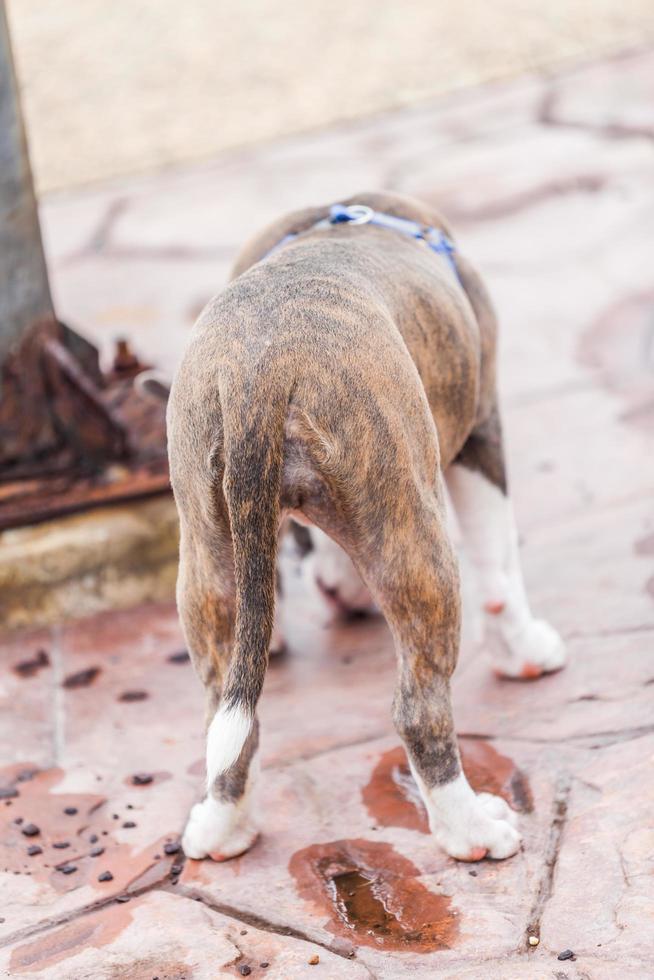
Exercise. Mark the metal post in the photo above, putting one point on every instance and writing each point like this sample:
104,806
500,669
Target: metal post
24,290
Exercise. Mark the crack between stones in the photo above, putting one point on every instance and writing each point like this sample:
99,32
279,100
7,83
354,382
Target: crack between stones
308,756
609,738
258,922
58,696
547,116
62,920
546,886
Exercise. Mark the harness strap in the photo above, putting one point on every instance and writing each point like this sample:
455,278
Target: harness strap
361,214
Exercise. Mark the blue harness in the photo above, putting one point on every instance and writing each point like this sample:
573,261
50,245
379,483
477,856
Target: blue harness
361,214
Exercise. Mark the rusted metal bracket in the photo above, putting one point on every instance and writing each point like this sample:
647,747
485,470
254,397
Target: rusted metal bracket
70,436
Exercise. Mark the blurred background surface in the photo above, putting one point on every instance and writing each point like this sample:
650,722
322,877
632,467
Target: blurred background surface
125,87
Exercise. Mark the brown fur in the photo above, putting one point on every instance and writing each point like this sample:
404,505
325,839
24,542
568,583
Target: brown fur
338,378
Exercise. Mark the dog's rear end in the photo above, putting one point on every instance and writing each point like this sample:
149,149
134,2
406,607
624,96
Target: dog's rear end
301,393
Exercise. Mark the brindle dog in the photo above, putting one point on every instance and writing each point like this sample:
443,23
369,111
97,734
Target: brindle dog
340,379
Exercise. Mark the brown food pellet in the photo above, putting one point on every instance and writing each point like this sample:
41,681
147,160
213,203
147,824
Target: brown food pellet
93,839
27,668
122,898
18,821
82,678
264,965
245,970
128,824
315,959
106,876
130,696
8,792
30,830
67,869
34,849
95,852
70,811
179,658
172,847
25,775
61,844
142,778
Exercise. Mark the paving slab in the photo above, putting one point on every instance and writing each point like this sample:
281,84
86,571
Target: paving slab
351,816
28,670
166,937
606,859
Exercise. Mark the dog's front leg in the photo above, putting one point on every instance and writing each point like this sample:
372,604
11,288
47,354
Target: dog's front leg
419,593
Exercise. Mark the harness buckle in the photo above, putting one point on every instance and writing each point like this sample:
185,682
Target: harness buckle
353,214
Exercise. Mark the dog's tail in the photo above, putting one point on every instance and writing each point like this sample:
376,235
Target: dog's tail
253,447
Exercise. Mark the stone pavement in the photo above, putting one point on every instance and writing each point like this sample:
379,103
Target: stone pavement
112,89
549,185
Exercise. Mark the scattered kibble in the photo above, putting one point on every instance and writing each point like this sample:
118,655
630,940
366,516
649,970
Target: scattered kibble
176,869
473,873
533,940
142,778
106,876
179,658
81,679
34,849
95,852
245,970
128,824
8,792
130,696
18,821
30,830
264,965
25,775
122,898
567,954
315,960
67,869
70,811
93,839
244,932
61,844
172,847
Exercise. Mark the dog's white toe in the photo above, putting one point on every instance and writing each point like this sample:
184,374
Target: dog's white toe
530,652
497,808
468,826
217,830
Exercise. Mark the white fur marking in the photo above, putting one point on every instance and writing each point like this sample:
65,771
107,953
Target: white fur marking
220,828
463,822
226,737
517,642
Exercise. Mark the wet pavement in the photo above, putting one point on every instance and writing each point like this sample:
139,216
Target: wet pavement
549,184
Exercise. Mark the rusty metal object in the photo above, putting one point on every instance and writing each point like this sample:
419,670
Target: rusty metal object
70,437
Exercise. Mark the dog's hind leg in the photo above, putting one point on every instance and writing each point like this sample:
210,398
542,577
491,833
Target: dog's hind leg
221,826
520,645
415,582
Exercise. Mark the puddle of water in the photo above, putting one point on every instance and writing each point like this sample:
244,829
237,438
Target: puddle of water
393,800
374,896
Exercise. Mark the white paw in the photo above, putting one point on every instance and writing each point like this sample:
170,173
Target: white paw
470,827
217,830
528,652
